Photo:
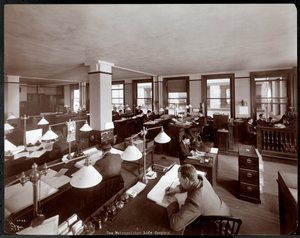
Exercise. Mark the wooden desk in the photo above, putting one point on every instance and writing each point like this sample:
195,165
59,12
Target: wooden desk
210,167
140,216
68,200
139,163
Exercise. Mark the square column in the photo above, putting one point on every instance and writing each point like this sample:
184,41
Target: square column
12,95
100,82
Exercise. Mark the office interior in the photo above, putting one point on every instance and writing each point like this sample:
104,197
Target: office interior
126,73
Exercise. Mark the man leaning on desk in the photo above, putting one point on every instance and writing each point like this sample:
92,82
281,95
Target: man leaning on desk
201,199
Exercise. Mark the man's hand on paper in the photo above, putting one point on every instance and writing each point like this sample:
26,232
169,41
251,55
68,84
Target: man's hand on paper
171,198
170,191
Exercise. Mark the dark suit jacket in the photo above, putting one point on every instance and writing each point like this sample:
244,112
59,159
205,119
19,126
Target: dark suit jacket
184,151
110,165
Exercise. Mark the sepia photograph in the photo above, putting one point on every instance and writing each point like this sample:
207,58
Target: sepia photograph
150,119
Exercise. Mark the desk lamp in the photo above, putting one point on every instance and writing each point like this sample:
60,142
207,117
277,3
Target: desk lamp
86,177
43,121
8,128
132,153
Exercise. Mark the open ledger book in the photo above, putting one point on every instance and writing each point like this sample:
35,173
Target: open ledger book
18,197
157,193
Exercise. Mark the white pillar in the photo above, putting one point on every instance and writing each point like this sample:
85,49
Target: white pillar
12,95
100,95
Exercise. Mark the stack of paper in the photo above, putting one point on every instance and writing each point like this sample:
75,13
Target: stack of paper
136,189
48,227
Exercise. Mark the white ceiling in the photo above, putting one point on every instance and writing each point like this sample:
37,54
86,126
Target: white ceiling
58,41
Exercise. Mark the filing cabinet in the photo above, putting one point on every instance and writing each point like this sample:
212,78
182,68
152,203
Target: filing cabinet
248,174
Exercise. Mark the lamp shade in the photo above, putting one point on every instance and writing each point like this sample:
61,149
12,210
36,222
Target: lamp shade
86,177
162,137
86,127
8,127
11,116
8,146
43,121
49,135
131,153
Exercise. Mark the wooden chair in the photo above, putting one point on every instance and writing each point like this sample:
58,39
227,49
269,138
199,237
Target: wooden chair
214,225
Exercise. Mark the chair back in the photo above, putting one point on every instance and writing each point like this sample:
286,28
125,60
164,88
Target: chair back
214,225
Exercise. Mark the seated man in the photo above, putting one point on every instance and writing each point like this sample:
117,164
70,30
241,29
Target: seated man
261,121
250,132
201,199
184,148
109,165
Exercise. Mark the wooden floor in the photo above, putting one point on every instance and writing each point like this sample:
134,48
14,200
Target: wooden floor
258,219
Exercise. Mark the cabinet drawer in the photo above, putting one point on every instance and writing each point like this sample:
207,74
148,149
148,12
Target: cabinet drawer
249,176
249,190
248,163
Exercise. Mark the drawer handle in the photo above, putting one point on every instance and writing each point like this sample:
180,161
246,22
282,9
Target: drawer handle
249,175
249,188
249,161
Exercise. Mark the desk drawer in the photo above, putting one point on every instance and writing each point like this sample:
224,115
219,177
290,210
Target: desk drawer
248,163
249,176
249,190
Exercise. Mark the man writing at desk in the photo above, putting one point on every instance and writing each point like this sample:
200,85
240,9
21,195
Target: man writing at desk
201,199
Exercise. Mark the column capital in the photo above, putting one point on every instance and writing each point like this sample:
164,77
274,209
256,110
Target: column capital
100,66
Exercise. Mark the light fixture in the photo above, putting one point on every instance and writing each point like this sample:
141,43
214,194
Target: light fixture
162,137
8,146
43,121
49,135
133,153
86,177
8,128
86,127
11,116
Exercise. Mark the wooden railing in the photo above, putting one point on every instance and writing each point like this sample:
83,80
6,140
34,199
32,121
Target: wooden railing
277,142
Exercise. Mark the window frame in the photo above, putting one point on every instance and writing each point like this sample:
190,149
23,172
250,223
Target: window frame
135,92
231,77
166,90
116,83
287,73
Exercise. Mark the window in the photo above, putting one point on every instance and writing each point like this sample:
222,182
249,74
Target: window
144,96
117,94
218,94
177,94
270,90
76,100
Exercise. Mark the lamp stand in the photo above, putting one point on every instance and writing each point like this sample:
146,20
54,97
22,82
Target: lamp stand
24,135
69,155
34,177
145,179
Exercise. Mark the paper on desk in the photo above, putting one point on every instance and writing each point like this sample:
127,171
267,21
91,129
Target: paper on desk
18,149
116,151
36,154
20,155
18,197
48,227
214,150
158,195
53,180
93,158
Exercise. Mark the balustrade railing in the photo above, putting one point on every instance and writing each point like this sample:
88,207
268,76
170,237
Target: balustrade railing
277,142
